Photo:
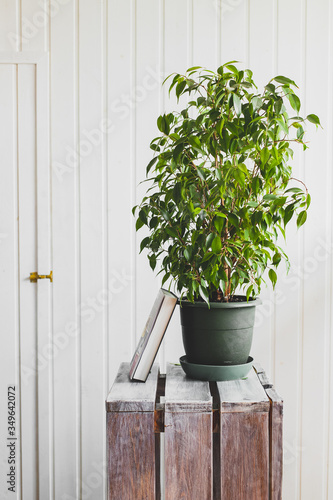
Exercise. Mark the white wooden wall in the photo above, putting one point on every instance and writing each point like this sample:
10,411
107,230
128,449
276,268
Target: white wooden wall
106,62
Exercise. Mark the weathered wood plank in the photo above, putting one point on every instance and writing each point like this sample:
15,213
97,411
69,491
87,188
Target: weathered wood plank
188,455
188,437
244,456
275,435
246,395
131,455
128,396
261,374
275,445
185,394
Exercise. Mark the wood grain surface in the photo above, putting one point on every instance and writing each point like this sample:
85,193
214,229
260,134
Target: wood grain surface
243,395
188,437
275,445
223,441
126,395
244,456
275,435
184,394
131,456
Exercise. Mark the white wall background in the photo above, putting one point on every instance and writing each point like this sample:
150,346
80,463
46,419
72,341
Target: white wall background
107,60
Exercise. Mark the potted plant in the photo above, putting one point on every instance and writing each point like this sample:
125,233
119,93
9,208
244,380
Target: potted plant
222,190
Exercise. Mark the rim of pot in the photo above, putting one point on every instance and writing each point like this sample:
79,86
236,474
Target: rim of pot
222,305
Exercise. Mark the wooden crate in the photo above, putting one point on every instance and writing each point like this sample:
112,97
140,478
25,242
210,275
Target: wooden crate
222,440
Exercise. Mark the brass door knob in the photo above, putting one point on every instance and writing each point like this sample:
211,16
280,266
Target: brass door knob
35,276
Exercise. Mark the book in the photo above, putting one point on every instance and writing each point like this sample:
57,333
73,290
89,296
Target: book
152,335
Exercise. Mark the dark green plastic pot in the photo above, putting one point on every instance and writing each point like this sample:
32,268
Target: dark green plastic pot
219,335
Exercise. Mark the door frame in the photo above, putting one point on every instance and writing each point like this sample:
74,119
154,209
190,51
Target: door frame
44,266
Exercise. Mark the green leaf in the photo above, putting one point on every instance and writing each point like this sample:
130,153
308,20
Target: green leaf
201,174
195,142
288,214
216,245
256,103
165,214
255,185
153,222
295,102
237,104
302,216
165,278
143,216
180,88
232,68
209,239
272,276
152,261
233,219
193,68
300,133
313,119
176,193
204,294
138,224
219,223
308,200
283,125
233,145
271,88
177,152
151,163
264,155
207,256
248,292
161,124
145,242
278,105
276,259
188,253
240,177
294,190
284,80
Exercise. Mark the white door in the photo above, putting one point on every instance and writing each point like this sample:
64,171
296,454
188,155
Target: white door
25,306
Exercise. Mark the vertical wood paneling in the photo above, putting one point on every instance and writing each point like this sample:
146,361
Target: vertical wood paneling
145,97
10,25
234,42
178,53
205,40
120,174
92,134
67,313
261,62
288,306
35,17
107,60
27,263
329,239
9,356
44,287
316,291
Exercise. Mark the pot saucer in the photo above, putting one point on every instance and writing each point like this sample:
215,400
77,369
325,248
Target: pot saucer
215,373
